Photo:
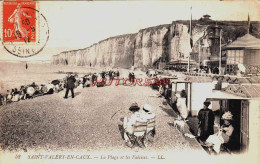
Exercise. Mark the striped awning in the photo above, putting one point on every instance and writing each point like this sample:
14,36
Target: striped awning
222,95
249,91
247,41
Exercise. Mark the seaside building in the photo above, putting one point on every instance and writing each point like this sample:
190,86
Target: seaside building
205,17
239,95
206,48
243,51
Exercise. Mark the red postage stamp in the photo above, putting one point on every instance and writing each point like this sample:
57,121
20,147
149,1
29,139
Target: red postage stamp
25,28
19,21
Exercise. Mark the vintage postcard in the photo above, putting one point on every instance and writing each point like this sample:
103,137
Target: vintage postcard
129,82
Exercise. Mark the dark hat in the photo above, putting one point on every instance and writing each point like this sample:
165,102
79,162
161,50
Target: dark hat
134,107
207,103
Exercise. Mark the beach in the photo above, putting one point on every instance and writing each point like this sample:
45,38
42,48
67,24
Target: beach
13,75
91,121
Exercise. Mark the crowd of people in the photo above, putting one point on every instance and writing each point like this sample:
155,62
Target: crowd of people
33,90
109,73
30,91
71,81
208,69
101,77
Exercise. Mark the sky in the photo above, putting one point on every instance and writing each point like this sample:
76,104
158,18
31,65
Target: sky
75,25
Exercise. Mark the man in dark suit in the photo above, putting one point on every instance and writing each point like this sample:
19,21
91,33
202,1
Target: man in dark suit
70,85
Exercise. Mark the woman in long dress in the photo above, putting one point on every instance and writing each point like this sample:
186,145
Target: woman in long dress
206,122
223,135
181,106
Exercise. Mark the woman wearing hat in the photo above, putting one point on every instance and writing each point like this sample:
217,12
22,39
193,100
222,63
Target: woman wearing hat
136,116
150,116
206,122
128,125
223,135
181,106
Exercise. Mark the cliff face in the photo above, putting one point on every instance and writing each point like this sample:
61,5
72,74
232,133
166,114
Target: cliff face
148,46
116,51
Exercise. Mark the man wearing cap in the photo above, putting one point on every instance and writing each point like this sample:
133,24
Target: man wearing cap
206,122
70,85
